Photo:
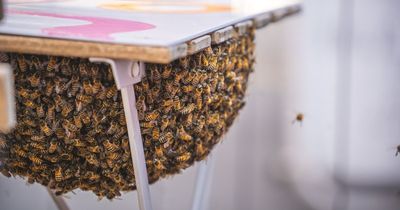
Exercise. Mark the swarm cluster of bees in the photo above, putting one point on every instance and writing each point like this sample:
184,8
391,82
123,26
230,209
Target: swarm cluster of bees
72,134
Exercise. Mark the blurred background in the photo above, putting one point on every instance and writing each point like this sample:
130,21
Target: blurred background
338,63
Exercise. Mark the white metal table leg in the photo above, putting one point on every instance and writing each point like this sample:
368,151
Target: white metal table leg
7,98
126,73
203,184
58,200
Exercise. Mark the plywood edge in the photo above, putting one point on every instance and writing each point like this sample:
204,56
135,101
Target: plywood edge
199,44
222,35
264,19
45,46
242,27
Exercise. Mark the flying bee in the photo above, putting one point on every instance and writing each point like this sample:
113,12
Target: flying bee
52,63
164,122
299,118
188,109
22,63
113,128
66,109
53,146
155,133
110,147
58,176
46,129
165,137
34,80
35,160
152,116
183,135
185,157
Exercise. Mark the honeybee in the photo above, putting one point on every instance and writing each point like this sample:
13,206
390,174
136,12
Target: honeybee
35,160
37,146
4,57
114,156
40,111
159,165
87,87
113,128
29,122
66,109
84,117
187,88
165,137
69,126
164,122
78,121
58,176
34,80
78,143
189,120
24,93
52,63
30,104
185,157
110,147
140,104
84,98
184,62
51,113
49,88
189,77
166,72
46,129
299,118
177,103
159,151
155,133
188,109
154,74
200,150
111,92
91,159
53,146
94,149
3,143
97,86
183,135
22,63
152,116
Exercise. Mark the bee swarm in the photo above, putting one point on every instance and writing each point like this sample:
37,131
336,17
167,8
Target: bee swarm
72,133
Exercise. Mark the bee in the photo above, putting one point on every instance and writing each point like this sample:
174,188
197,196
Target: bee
97,86
60,86
4,57
111,92
92,175
200,150
78,143
299,118
78,121
75,85
189,120
159,165
49,88
183,135
189,77
114,156
84,98
53,146
140,103
166,72
87,87
58,176
3,143
177,103
95,149
165,137
113,128
188,109
159,151
66,109
156,133
37,146
85,118
24,93
213,119
52,63
110,147
91,159
69,126
46,129
185,157
152,116
164,122
34,80
40,111
51,113
38,168
35,160
29,122
35,95
154,74
187,88
29,104
22,63
65,156
196,78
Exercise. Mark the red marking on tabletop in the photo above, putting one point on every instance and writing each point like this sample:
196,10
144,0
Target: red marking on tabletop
98,28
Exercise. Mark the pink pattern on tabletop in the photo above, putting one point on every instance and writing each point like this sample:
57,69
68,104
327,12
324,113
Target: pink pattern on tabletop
98,28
